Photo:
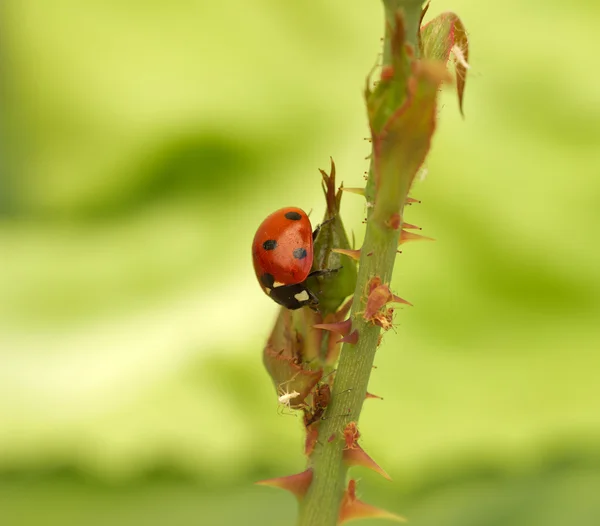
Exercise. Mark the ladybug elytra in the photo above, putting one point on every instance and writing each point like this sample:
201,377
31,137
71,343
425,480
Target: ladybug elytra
282,253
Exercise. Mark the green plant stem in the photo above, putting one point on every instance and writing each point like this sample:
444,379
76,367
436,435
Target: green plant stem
320,506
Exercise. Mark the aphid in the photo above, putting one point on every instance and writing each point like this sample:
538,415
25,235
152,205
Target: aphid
282,253
351,435
285,398
321,399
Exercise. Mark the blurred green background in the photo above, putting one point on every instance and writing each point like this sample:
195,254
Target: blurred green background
140,145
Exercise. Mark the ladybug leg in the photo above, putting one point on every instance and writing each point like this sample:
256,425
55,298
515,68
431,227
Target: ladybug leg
318,229
312,298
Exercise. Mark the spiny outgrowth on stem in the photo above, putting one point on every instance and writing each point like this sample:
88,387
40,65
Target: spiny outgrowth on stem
354,455
351,338
340,327
353,508
296,484
406,236
353,253
353,190
331,346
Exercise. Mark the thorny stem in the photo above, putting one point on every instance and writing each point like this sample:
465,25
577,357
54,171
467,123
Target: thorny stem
320,506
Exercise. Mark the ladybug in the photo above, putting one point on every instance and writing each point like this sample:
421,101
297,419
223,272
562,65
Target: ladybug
282,253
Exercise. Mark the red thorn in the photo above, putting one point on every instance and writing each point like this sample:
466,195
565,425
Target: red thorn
357,191
411,227
297,484
398,299
333,348
354,254
352,508
341,327
371,395
410,201
351,338
356,456
406,236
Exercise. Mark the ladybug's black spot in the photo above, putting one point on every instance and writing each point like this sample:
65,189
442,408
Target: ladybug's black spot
270,244
293,216
299,253
267,280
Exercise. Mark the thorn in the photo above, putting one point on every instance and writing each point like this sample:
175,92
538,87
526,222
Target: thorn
370,395
351,338
398,299
356,456
411,227
352,508
297,484
411,200
340,327
357,191
406,236
354,254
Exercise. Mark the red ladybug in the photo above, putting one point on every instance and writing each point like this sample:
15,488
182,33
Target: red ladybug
282,253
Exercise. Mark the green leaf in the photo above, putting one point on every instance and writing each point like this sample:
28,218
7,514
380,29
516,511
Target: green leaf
443,36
